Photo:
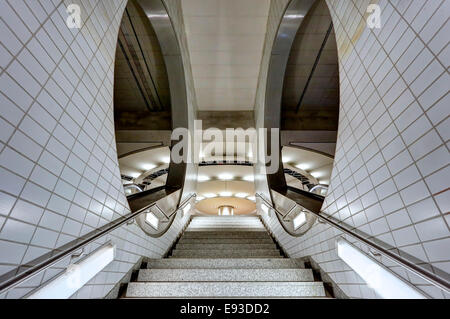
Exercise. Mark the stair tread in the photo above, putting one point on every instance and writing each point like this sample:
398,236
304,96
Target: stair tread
202,275
198,246
222,263
225,257
224,289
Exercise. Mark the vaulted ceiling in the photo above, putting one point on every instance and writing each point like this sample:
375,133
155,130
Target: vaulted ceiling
311,85
141,89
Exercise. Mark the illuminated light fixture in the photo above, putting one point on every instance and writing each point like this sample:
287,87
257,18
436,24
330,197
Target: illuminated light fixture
241,195
316,174
303,166
152,220
76,275
252,198
166,160
226,210
249,178
225,176
225,194
385,283
203,178
199,198
210,195
187,208
294,16
299,220
265,209
285,159
135,175
149,167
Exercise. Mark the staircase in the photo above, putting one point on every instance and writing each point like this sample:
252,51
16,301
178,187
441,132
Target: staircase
225,257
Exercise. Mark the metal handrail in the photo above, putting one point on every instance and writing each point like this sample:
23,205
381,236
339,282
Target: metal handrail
417,270
33,271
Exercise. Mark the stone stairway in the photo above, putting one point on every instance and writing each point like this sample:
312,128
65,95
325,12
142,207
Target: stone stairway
225,257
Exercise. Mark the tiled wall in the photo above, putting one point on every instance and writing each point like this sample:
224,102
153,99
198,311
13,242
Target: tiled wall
59,175
391,170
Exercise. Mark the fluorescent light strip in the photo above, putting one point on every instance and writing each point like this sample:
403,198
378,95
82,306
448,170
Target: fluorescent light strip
152,220
76,275
187,208
299,220
386,284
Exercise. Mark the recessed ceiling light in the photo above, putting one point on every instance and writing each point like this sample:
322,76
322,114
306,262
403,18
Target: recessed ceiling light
135,175
252,198
199,198
249,178
226,194
210,195
316,174
166,160
285,159
203,178
303,166
241,195
148,166
225,176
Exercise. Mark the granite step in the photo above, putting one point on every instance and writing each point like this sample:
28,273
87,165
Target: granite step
226,234
228,275
267,240
225,229
225,290
225,253
223,263
197,246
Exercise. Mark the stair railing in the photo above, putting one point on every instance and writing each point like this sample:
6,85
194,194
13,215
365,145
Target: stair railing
401,261
74,249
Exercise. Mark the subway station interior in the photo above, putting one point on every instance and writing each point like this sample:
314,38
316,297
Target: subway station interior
248,149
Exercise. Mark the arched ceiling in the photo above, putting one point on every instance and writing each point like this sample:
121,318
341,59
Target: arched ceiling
141,89
311,94
225,40
315,166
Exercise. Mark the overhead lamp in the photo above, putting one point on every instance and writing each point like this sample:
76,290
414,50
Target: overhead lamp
203,178
135,175
152,220
210,195
199,198
316,174
226,210
225,194
377,276
166,160
249,178
252,198
241,195
76,275
303,166
149,166
299,220
225,176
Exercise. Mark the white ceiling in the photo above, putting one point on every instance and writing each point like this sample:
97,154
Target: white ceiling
225,40
313,165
